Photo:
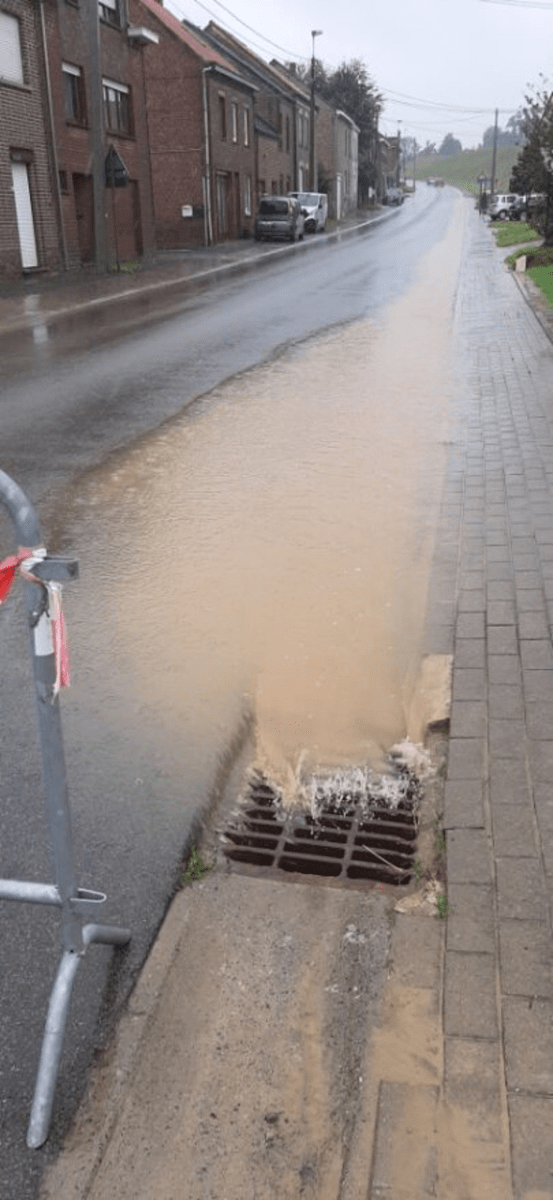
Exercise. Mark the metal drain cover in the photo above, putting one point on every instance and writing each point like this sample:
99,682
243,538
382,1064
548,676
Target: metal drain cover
352,838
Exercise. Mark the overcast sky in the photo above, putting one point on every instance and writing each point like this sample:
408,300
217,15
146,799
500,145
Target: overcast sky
435,61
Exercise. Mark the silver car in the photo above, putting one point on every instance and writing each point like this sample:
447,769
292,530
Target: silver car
279,217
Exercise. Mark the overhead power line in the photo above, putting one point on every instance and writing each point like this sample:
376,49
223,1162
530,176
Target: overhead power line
519,3
290,53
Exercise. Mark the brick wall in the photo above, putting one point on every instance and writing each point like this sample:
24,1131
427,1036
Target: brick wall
24,131
176,134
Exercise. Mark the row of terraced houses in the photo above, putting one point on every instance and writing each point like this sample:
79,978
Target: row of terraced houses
124,130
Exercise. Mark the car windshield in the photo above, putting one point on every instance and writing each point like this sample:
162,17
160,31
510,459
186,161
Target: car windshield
273,208
309,199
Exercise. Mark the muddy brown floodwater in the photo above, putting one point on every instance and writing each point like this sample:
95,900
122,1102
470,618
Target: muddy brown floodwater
270,548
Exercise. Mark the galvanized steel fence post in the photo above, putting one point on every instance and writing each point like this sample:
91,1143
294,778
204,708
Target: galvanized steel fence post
76,904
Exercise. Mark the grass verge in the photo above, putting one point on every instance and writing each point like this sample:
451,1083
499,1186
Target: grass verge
511,233
543,276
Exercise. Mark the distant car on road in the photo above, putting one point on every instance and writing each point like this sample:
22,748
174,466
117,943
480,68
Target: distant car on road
393,195
315,210
279,217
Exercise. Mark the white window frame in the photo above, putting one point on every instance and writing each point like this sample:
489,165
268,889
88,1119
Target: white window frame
11,55
234,121
121,89
69,69
246,115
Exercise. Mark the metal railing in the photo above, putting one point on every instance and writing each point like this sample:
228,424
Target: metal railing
76,904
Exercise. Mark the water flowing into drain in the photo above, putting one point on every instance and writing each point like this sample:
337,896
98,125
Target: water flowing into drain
350,825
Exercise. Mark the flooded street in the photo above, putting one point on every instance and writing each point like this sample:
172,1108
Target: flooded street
254,574
267,553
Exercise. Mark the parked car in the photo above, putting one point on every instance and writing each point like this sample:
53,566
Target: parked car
279,217
314,206
500,207
393,195
525,207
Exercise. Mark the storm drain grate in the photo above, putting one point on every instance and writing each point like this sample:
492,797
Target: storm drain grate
356,838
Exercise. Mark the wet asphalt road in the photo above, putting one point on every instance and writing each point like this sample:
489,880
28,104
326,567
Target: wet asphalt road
66,402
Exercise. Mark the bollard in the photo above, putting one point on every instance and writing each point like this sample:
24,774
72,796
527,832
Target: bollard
76,904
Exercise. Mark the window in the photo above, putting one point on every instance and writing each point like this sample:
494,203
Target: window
248,196
73,94
11,61
234,120
280,131
288,136
246,126
64,182
222,117
110,12
117,107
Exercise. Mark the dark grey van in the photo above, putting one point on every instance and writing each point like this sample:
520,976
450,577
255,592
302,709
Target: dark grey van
279,217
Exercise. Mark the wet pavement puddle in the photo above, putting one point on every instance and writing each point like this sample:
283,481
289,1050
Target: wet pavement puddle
268,552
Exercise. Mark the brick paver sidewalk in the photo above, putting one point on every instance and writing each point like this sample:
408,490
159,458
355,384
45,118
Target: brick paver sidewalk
493,609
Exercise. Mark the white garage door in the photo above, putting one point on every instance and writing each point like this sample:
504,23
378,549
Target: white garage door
24,211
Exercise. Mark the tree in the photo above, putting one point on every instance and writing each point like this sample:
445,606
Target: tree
350,88
533,171
510,136
450,145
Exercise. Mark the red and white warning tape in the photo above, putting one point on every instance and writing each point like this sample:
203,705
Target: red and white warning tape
50,635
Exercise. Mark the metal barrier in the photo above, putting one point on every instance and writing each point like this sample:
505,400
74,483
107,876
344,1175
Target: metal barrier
76,904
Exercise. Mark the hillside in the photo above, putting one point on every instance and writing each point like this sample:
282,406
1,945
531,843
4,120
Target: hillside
462,170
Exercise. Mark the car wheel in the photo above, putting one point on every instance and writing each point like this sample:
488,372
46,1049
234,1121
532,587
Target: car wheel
501,216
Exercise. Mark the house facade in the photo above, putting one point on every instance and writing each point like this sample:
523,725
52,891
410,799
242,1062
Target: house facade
29,209
274,115
346,159
200,115
99,108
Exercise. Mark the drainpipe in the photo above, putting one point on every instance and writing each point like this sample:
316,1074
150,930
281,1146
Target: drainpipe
208,224
50,104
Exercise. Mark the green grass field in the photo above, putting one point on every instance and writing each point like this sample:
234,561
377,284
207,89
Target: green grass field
462,170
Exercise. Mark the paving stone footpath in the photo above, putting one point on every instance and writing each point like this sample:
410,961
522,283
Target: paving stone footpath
492,608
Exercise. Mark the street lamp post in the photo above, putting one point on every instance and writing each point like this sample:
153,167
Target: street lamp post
398,170
312,181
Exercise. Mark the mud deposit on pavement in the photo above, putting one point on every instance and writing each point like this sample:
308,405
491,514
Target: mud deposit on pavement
268,552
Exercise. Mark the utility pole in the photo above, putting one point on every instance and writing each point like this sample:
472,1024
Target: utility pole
96,106
494,154
312,180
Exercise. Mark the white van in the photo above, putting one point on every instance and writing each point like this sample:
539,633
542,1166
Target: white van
315,210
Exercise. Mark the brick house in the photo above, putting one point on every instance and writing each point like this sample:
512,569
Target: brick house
98,105
274,114
200,129
29,218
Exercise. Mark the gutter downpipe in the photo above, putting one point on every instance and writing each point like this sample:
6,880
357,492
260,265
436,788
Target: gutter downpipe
208,223
63,239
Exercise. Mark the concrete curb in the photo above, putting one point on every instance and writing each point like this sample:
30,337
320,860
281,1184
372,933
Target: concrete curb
111,1079
187,282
